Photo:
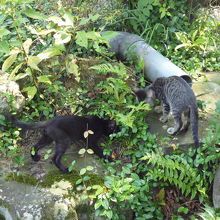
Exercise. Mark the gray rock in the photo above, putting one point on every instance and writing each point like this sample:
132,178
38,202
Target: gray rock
10,88
59,202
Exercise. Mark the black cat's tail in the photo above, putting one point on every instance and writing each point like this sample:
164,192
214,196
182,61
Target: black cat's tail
36,125
194,124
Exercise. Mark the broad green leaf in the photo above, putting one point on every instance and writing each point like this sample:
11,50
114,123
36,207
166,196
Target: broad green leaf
14,51
93,35
46,156
45,32
82,171
89,168
14,71
21,76
48,53
81,39
8,62
82,151
94,17
31,13
72,67
4,47
44,79
109,213
98,204
62,38
4,32
31,91
26,45
83,21
109,34
33,61
86,178
78,181
56,20
69,18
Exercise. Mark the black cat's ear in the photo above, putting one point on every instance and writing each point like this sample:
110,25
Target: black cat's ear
141,94
113,128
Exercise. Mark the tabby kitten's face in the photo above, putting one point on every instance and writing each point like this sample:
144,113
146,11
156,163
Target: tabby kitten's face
147,95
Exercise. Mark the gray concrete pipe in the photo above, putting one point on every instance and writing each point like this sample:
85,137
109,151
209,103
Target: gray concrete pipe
126,45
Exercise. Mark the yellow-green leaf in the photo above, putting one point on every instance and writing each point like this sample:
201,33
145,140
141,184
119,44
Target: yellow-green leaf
48,53
31,91
82,151
20,76
4,47
14,71
31,13
33,61
90,151
86,134
90,132
8,62
69,18
62,38
81,39
27,44
44,79
4,32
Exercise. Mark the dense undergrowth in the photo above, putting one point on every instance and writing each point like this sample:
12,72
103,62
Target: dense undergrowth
43,47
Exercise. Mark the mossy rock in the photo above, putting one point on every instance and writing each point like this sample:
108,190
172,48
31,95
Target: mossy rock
55,176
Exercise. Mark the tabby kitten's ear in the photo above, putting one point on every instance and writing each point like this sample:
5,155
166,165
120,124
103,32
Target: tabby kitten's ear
150,95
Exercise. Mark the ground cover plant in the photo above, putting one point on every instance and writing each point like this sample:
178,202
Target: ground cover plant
45,45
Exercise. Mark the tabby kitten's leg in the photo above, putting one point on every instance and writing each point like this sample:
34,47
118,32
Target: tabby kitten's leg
178,124
186,120
166,112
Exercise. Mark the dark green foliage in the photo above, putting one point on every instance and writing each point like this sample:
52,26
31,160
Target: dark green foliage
43,53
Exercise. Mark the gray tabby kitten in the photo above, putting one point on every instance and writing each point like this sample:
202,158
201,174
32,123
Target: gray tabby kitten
176,96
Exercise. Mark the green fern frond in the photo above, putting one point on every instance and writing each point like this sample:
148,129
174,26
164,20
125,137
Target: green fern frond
105,68
176,171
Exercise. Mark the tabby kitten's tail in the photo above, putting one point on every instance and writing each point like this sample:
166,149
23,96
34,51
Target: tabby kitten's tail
194,124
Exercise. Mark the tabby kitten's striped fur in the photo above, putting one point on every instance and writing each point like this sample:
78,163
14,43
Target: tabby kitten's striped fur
176,96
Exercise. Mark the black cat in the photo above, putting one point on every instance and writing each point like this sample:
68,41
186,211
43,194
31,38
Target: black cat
65,129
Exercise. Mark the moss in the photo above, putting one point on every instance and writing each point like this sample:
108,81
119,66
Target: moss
21,178
54,176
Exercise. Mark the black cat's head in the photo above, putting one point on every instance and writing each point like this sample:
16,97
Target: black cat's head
147,95
111,127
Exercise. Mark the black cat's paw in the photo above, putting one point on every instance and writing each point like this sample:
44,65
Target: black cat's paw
66,171
110,159
36,158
